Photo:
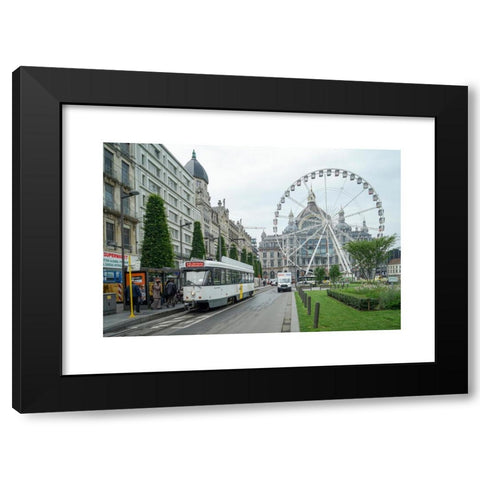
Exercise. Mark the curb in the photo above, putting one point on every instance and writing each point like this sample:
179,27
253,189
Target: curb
295,325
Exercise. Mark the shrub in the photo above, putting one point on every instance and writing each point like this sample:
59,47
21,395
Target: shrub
390,299
369,297
360,303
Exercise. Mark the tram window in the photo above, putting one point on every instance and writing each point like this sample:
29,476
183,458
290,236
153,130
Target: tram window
196,277
228,277
219,276
208,278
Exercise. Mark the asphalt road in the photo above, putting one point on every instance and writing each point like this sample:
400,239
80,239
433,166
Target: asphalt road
265,312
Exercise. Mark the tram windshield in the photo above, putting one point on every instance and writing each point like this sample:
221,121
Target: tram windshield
196,277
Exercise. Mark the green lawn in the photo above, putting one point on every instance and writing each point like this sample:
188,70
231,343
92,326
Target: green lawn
335,316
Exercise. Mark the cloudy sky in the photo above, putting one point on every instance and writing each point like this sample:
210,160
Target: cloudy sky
253,179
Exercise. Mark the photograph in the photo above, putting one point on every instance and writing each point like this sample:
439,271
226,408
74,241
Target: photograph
228,239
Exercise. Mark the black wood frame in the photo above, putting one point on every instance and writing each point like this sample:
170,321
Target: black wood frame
38,96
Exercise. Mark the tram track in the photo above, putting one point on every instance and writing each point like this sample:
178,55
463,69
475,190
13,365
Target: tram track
187,319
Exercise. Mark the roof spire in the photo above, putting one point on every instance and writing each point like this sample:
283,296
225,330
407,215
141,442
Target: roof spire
194,155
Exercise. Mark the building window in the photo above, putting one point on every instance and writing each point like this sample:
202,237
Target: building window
125,173
172,184
172,200
172,167
107,161
109,196
124,148
154,188
126,237
126,206
110,233
188,238
174,233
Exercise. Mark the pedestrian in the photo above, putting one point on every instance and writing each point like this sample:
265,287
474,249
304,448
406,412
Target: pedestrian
171,290
137,296
157,294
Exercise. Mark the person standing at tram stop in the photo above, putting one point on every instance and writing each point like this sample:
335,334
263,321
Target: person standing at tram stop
137,296
157,294
170,291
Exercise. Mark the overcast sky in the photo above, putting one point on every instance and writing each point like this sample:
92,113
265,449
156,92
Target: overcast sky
253,179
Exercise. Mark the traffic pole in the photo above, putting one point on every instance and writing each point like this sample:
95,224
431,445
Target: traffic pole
130,284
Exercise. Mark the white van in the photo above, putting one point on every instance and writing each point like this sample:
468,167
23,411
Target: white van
284,281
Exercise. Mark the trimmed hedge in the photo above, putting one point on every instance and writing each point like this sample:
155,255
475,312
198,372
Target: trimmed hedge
353,301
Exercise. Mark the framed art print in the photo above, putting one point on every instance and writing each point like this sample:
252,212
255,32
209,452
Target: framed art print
201,239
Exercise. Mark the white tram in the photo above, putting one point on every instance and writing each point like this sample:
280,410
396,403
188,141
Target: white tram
207,284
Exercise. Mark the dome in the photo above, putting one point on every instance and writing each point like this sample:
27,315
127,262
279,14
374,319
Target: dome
194,168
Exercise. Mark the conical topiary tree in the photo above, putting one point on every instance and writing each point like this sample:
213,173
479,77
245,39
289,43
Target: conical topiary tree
243,255
223,249
233,253
198,245
157,249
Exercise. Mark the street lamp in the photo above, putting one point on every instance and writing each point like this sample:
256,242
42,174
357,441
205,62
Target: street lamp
186,224
122,198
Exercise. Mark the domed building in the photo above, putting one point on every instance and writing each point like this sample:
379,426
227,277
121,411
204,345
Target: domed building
216,220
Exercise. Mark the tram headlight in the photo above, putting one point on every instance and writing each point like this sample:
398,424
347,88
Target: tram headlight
192,294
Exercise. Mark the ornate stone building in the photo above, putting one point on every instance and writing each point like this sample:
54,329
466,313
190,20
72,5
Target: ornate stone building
215,220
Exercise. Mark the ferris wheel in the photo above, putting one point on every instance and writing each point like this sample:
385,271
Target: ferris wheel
320,212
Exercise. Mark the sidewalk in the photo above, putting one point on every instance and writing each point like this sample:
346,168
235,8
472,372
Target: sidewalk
121,320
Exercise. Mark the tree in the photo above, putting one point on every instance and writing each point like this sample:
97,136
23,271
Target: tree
370,254
243,255
157,249
250,258
334,273
221,249
198,245
319,274
233,253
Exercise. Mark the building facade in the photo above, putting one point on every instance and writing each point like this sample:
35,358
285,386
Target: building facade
394,268
118,184
158,172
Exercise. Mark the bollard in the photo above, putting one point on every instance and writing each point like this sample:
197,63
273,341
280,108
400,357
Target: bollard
309,305
316,315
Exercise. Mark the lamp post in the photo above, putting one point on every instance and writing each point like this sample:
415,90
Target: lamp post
122,198
186,224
